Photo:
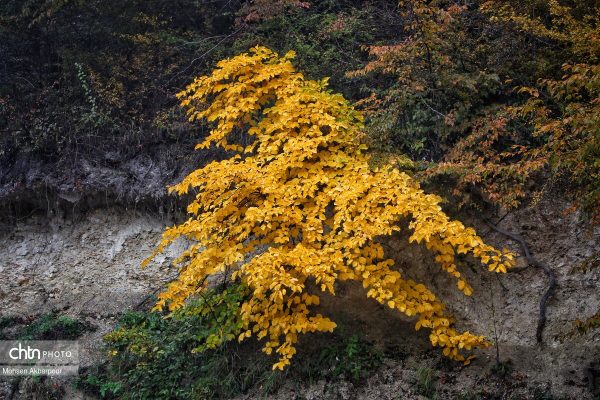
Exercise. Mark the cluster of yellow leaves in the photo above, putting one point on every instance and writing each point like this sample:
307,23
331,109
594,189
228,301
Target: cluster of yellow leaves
299,207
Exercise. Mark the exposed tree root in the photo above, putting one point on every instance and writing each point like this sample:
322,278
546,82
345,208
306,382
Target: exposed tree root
531,260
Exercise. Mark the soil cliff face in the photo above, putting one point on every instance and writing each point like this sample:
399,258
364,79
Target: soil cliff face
87,265
506,307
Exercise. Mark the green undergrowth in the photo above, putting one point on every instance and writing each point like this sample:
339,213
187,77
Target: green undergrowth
50,326
194,354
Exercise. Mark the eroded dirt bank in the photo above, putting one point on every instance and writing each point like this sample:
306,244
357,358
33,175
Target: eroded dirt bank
88,266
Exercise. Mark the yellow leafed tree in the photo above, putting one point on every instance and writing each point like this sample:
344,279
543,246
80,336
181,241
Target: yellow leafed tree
298,207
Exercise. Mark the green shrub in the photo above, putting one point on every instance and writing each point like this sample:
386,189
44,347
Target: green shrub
51,326
5,323
427,382
350,358
186,355
194,354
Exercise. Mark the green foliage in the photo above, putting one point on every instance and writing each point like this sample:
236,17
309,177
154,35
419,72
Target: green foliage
98,384
156,357
502,369
89,74
459,85
432,76
433,79
92,117
547,123
7,322
350,358
358,358
184,356
108,69
51,326
427,382
327,35
223,314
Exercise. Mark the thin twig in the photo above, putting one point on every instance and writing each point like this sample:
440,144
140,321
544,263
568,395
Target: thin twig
531,260
496,340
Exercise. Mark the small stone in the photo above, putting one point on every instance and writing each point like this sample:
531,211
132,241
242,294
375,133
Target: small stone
22,250
23,280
